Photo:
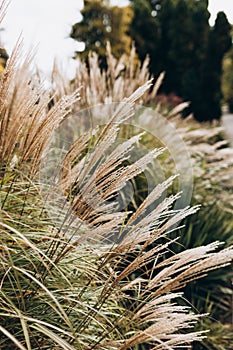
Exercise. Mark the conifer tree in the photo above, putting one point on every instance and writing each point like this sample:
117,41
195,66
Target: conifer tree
219,43
227,81
181,42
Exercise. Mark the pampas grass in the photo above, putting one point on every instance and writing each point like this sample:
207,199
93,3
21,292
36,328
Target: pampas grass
66,284
121,79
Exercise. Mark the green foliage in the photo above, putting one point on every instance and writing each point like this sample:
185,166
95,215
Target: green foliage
102,23
47,299
212,293
220,337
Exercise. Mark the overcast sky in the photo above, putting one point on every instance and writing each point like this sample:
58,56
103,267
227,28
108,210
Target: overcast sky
47,24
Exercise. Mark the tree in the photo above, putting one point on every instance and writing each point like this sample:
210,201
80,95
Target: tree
181,42
175,34
227,81
192,75
144,30
219,43
101,23
181,29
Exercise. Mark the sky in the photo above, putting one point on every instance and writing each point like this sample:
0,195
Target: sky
46,24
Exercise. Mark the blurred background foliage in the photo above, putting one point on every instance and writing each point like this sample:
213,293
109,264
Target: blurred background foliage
227,81
101,23
3,59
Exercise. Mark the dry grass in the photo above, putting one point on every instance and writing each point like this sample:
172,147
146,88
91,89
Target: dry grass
121,79
66,283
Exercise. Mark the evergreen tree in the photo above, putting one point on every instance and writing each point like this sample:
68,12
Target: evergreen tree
165,14
180,48
192,75
181,42
101,23
219,43
144,30
181,28
227,81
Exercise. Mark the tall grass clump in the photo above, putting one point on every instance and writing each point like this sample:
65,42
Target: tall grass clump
122,77
212,161
66,270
